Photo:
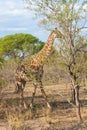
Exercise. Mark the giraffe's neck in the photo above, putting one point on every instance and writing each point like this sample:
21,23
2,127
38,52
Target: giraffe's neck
45,51
42,55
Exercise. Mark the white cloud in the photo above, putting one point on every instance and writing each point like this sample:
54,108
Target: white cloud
7,4
11,4
14,12
15,18
14,29
10,7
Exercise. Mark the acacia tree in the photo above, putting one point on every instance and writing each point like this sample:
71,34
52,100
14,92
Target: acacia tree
70,18
19,45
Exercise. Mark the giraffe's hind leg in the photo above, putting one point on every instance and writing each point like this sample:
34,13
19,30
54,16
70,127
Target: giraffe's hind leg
44,94
33,95
22,102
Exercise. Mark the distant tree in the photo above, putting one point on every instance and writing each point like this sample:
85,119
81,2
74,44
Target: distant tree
70,18
19,45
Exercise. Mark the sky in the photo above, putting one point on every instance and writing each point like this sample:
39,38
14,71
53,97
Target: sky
15,18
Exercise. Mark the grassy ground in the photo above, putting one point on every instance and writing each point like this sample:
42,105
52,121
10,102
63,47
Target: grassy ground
61,117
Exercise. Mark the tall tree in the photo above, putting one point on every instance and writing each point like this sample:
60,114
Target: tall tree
70,18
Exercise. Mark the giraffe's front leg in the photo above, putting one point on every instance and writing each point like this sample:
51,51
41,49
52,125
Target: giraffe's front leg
33,95
22,102
44,94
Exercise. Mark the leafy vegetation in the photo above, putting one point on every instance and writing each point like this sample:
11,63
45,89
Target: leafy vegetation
19,45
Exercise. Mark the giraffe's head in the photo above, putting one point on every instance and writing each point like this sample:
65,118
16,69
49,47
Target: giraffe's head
54,33
57,33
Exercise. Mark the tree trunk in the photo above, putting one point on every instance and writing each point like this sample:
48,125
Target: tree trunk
78,112
73,96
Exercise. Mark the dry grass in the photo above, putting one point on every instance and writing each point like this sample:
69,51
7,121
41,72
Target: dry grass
62,116
14,120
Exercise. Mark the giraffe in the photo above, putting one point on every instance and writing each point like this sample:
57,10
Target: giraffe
33,71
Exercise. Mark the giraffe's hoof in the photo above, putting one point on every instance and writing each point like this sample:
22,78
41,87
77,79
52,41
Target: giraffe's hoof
31,106
25,106
49,106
